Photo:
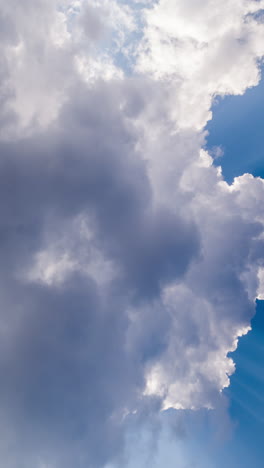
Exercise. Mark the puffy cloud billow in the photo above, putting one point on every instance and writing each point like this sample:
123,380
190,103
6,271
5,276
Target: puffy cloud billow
129,267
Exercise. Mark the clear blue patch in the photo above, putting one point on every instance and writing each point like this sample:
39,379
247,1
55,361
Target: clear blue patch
238,127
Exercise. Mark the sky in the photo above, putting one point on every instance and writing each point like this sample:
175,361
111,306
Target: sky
237,128
131,234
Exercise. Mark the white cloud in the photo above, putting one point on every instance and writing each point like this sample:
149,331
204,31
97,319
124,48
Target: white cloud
203,50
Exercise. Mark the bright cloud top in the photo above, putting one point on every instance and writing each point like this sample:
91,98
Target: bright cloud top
129,266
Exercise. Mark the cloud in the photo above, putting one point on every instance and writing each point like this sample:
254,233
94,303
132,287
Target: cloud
203,50
129,267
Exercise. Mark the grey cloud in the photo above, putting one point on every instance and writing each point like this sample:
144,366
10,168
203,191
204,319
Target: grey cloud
62,368
72,171
68,373
8,33
93,22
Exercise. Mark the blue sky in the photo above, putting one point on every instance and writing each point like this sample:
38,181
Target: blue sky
237,126
131,265
246,394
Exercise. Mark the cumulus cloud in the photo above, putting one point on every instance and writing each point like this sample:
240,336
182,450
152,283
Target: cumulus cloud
129,266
